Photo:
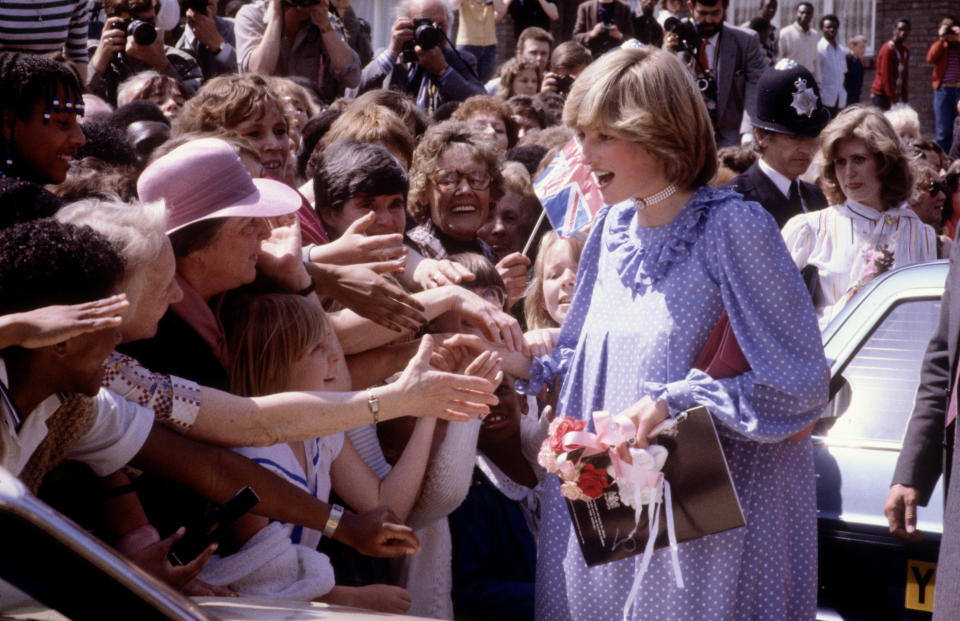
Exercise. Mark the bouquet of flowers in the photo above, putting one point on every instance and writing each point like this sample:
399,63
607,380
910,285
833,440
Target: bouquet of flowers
876,261
588,463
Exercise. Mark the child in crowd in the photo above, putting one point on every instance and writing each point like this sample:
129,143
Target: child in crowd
40,100
283,342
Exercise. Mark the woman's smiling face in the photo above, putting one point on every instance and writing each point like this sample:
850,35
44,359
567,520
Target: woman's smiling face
457,208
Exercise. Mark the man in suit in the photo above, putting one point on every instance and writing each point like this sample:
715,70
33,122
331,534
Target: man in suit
928,450
790,116
729,65
603,25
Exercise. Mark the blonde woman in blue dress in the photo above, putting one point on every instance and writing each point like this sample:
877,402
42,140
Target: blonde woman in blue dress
868,228
661,264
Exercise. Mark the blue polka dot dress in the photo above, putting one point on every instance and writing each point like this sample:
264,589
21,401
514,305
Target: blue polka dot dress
646,299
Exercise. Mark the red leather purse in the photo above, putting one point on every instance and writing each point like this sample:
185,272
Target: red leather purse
721,357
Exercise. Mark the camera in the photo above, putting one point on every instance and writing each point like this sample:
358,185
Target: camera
144,33
686,32
564,82
427,34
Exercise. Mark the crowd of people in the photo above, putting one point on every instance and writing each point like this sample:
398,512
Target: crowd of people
239,246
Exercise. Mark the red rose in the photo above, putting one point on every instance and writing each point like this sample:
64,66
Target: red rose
593,481
565,426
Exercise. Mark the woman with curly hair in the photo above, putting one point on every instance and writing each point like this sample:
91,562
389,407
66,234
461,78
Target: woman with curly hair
455,180
519,76
867,229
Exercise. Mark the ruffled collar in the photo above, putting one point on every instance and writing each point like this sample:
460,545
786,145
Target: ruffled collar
642,255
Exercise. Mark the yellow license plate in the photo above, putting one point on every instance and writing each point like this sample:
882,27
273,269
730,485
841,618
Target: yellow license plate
921,579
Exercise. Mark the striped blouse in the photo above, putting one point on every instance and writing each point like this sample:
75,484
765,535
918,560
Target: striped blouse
45,27
837,239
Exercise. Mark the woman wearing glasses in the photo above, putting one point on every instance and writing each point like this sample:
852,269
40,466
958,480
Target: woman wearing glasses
454,181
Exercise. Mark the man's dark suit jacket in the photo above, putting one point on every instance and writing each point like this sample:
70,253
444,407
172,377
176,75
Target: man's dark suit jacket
755,185
587,19
923,457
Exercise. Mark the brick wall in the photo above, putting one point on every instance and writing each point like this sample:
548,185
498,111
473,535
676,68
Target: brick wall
925,16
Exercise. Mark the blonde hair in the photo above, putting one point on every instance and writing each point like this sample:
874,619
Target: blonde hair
226,101
902,117
534,307
893,165
647,96
138,231
435,141
266,335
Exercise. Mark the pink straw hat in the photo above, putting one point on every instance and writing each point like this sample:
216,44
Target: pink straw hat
205,179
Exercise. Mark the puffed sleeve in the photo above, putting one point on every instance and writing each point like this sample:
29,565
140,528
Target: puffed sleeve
774,323
800,238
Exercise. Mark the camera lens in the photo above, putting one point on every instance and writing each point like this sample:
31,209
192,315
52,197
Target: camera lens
144,33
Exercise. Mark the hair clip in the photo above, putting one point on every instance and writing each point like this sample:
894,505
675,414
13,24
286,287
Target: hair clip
46,116
56,104
79,108
9,161
69,106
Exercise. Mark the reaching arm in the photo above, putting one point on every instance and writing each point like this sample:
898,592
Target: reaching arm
217,474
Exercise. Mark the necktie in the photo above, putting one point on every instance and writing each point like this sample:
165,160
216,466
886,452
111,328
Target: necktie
793,196
703,60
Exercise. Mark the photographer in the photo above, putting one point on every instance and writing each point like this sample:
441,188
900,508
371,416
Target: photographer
209,39
727,63
567,61
603,25
296,38
419,60
944,55
129,44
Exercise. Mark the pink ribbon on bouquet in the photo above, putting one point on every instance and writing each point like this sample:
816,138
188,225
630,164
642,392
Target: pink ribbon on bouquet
612,431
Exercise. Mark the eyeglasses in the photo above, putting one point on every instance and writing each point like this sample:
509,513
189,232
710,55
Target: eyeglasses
449,178
935,187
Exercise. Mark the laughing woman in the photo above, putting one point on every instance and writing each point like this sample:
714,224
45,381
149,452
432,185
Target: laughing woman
661,264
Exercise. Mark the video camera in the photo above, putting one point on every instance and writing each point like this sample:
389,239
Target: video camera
426,33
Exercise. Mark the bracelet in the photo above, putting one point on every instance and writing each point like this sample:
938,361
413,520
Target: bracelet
309,288
336,512
373,403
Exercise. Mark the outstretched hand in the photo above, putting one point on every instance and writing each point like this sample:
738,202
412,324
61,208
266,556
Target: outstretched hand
426,392
378,532
355,246
364,291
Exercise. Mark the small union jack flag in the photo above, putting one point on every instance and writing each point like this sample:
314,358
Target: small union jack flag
568,191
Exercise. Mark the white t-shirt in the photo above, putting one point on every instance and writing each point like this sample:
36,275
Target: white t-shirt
117,434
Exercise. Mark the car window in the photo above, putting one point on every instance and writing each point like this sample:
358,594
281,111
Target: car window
883,375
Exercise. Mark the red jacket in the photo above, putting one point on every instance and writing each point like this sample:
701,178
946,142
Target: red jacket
886,80
937,56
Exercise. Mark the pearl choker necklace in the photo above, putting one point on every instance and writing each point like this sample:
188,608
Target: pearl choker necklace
659,197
